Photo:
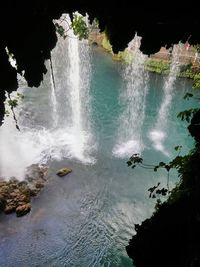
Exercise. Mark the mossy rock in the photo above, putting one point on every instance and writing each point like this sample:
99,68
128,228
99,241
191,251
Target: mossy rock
63,172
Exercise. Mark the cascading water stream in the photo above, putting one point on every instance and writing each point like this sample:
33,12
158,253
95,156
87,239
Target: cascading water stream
158,134
78,85
55,118
132,98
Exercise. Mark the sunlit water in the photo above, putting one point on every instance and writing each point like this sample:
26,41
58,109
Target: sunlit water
86,218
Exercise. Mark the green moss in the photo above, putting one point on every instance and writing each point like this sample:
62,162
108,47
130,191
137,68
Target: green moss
158,66
79,27
106,43
125,56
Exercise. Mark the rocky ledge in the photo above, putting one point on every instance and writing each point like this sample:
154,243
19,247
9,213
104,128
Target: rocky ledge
15,195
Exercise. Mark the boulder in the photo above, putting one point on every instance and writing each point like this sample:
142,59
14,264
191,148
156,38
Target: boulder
63,172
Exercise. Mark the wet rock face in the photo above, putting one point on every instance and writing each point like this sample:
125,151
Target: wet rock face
15,195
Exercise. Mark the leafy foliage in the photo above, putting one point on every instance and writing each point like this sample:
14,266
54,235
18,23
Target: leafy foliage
177,163
155,191
80,27
134,160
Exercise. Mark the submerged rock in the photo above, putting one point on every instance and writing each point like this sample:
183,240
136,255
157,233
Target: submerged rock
63,172
15,195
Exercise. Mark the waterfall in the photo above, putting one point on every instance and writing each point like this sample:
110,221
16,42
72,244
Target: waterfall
54,119
132,99
158,134
77,95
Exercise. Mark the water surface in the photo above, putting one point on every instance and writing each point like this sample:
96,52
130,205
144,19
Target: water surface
86,218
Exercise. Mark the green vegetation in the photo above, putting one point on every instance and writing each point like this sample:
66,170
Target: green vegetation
125,56
196,81
79,27
163,67
13,103
158,66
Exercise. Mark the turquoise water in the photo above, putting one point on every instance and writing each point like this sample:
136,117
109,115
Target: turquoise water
86,218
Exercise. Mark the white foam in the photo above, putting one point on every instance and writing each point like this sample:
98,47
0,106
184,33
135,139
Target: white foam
126,149
158,137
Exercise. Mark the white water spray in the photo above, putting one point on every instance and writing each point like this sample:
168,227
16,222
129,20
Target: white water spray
159,133
132,98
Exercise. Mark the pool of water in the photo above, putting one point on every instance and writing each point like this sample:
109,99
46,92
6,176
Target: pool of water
87,218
